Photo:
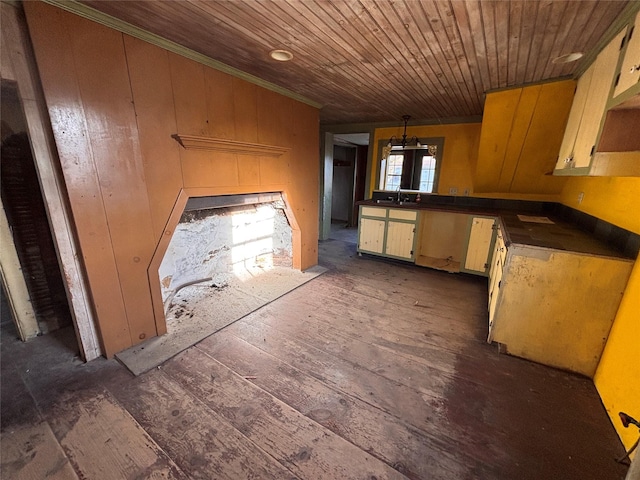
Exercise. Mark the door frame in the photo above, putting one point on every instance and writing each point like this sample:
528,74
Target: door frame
18,65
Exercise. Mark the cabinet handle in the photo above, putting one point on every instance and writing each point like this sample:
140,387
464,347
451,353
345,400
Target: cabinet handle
634,69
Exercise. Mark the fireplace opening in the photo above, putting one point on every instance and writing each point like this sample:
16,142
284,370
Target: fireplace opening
228,256
221,242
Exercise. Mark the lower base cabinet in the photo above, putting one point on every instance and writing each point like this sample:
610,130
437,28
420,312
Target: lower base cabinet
553,306
388,232
450,241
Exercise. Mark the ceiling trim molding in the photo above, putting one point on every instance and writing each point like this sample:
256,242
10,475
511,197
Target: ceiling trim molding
532,84
128,29
370,127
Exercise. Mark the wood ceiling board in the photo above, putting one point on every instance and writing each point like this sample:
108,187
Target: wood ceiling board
368,61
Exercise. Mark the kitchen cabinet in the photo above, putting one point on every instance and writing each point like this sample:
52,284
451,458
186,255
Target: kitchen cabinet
629,73
587,111
495,275
441,240
618,150
388,232
600,138
554,307
449,241
480,239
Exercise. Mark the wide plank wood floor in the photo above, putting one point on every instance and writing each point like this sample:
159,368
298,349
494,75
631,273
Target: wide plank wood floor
374,370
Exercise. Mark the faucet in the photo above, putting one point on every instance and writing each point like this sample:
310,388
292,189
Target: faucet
398,196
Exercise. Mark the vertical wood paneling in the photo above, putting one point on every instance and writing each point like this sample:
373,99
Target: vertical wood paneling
274,124
515,23
103,78
489,25
474,12
502,22
527,28
248,170
521,137
517,134
113,115
245,115
500,109
51,37
210,169
303,191
189,94
553,23
155,114
540,147
220,104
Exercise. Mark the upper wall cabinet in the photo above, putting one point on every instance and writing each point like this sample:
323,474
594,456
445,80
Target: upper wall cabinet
600,138
629,73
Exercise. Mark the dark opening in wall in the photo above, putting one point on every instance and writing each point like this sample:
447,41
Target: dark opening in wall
27,217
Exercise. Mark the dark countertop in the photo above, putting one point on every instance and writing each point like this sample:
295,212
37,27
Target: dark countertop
559,235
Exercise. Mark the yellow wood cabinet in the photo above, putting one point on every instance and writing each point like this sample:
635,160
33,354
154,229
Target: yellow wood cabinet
630,67
601,135
495,275
618,148
450,241
388,232
553,306
371,229
585,119
480,240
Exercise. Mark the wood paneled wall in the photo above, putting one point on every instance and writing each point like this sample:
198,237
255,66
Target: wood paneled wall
114,103
522,130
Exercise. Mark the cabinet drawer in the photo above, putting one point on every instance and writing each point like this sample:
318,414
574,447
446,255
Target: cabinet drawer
397,214
374,212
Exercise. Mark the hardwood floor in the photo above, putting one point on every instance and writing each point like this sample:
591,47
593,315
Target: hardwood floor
374,370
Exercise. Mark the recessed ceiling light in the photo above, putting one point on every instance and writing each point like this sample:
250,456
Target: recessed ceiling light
281,55
568,58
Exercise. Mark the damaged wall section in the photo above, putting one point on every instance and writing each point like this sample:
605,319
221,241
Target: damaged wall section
216,243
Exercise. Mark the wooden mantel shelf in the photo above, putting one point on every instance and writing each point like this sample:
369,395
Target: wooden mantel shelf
195,142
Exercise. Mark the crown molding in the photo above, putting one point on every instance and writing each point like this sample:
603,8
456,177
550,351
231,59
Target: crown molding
92,14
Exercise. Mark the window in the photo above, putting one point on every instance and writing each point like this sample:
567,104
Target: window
394,171
427,173
412,169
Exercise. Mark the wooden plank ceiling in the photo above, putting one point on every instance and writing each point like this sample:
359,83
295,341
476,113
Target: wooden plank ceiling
374,61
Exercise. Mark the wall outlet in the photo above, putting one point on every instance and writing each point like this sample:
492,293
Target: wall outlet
580,197
453,190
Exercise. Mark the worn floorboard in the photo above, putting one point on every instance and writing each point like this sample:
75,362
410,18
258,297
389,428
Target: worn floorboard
376,369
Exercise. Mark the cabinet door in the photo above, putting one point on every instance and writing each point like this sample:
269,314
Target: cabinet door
371,238
400,237
603,72
565,158
588,110
496,283
630,69
479,246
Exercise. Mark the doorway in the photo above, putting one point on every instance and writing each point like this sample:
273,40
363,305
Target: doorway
27,220
350,154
